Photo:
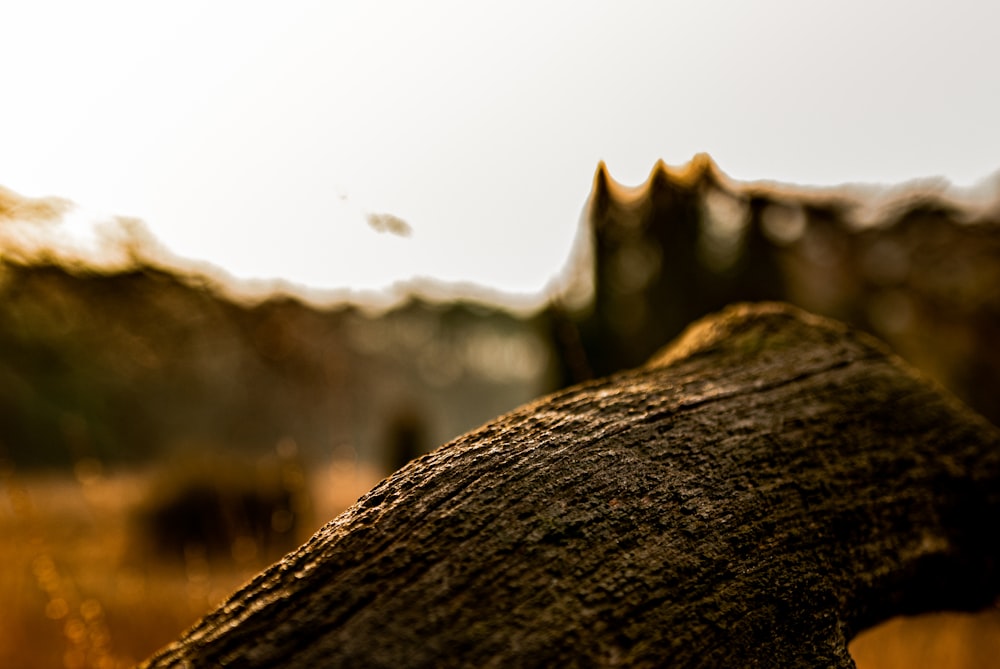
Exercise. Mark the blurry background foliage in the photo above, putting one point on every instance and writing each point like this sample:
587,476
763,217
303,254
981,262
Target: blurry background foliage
160,440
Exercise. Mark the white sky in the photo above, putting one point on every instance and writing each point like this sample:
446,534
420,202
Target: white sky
257,135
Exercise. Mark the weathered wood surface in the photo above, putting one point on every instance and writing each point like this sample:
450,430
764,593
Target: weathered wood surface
756,495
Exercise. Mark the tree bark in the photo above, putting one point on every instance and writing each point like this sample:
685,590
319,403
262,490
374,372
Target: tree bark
761,491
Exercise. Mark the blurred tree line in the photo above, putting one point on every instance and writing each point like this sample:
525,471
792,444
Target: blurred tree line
136,364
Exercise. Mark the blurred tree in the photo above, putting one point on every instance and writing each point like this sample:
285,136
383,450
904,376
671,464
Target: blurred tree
917,270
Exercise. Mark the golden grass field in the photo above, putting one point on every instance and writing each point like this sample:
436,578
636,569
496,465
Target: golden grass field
78,590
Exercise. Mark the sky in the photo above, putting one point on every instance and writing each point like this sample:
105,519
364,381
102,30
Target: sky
358,144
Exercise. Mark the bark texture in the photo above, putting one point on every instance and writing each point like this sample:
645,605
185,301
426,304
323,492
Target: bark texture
757,494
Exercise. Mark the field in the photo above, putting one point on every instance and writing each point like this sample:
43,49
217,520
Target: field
81,587
955,640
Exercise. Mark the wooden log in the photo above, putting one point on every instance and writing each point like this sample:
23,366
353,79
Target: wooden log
761,491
